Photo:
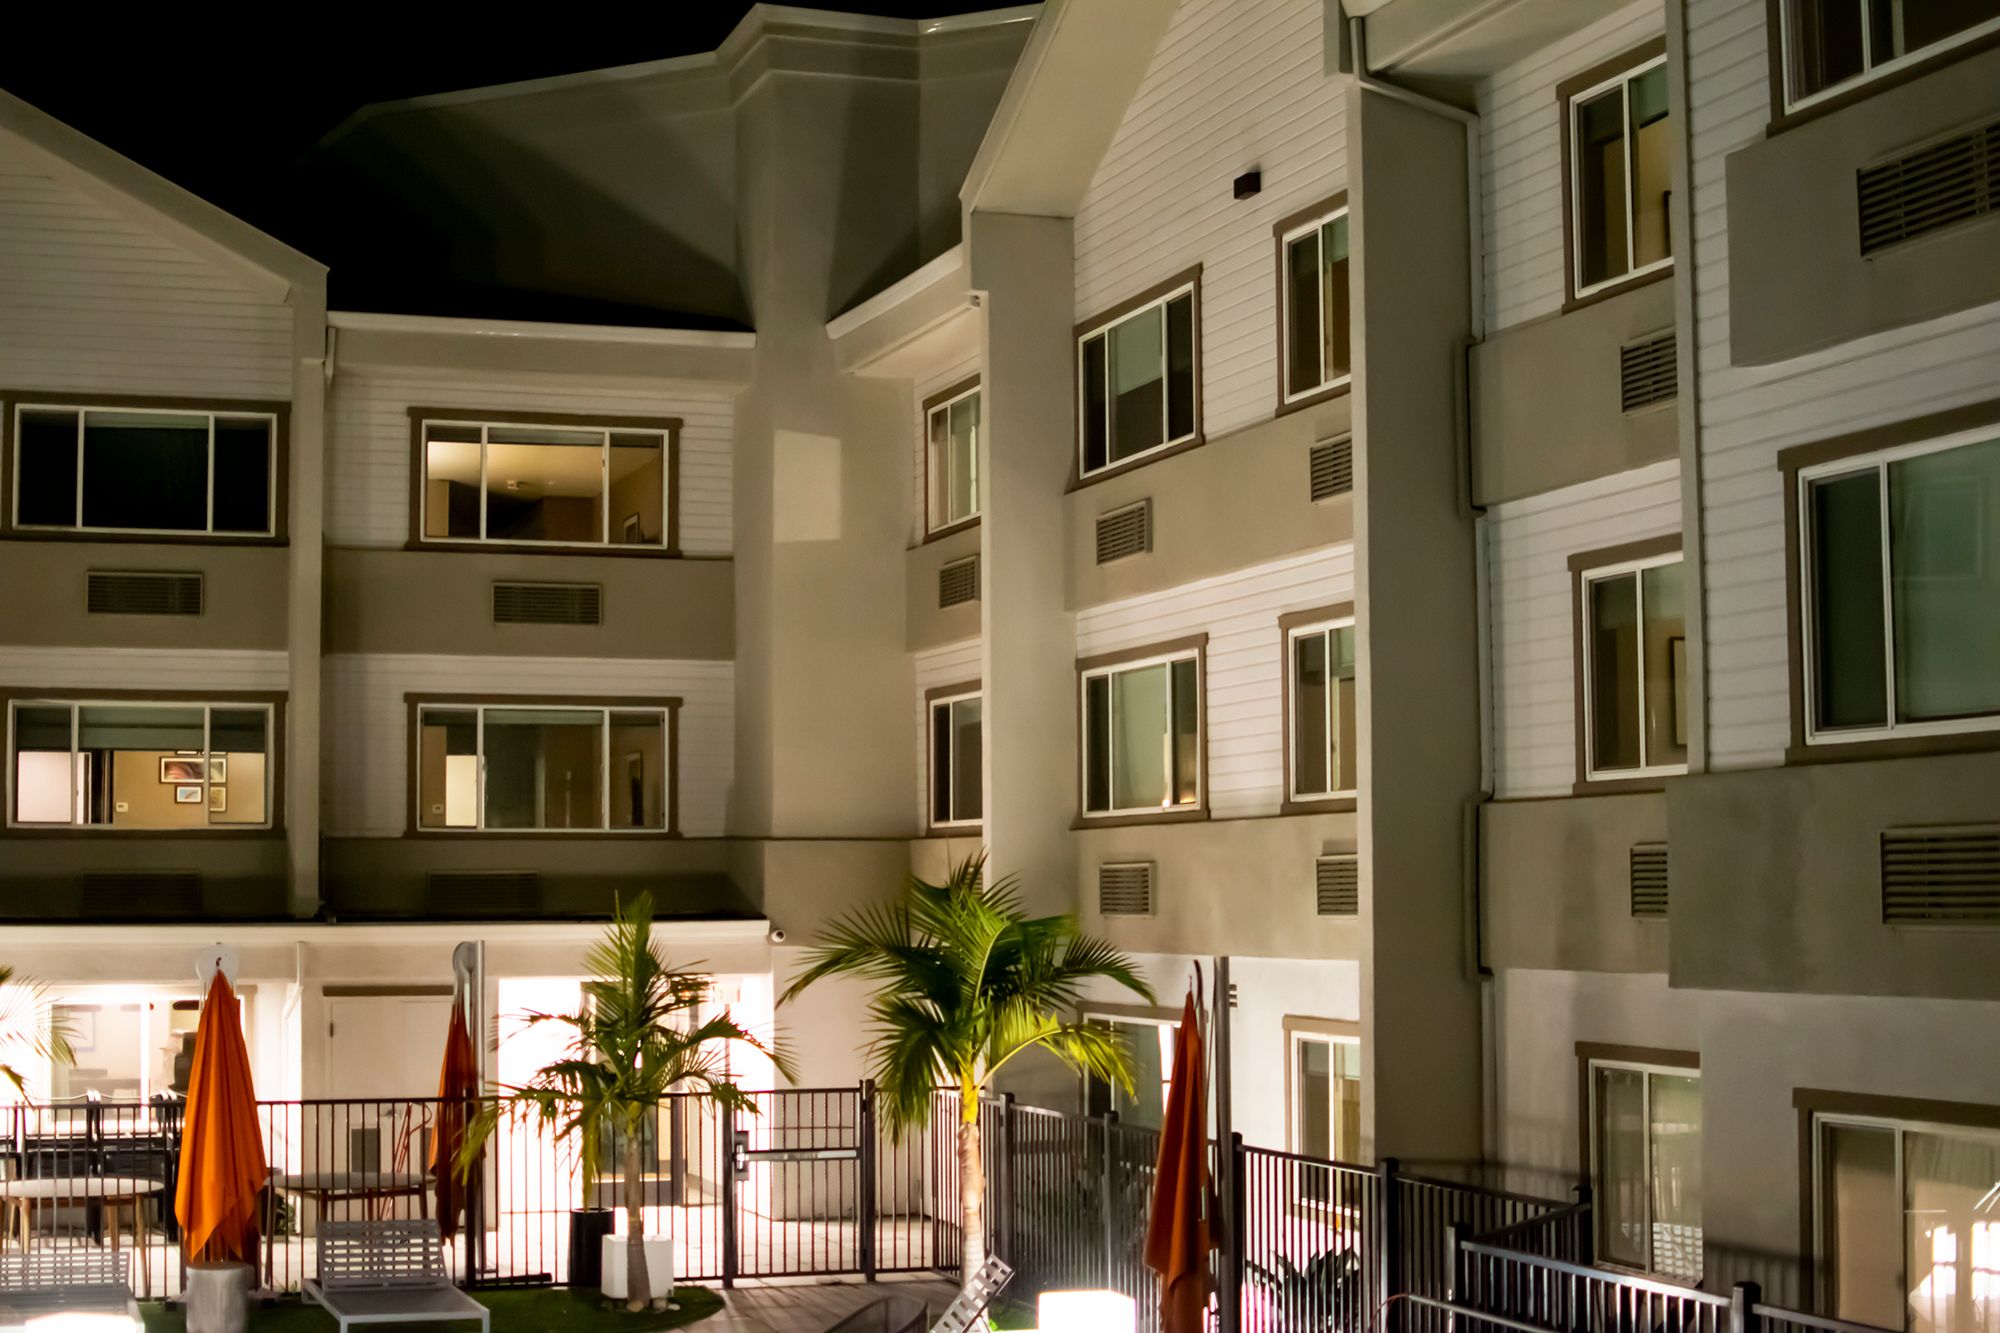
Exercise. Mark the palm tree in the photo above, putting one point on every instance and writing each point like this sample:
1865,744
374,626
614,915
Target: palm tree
967,981
637,1040
27,1025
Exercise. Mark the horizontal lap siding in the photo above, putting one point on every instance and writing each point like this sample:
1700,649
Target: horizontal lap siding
92,300
368,491
953,664
168,669
1236,84
1521,160
367,724
1750,413
1239,613
1529,544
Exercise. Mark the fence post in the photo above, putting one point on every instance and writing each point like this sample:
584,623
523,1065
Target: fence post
729,1149
865,1186
1743,1299
1390,1278
1235,1232
1003,1224
1586,1226
1455,1284
1108,1199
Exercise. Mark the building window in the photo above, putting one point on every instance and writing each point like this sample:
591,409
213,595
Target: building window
1142,736
1321,678
1833,45
1908,1232
1645,1166
559,767
1326,1106
1620,178
1138,381
1312,256
545,485
1634,669
1900,562
1151,1043
140,765
951,444
139,471
956,771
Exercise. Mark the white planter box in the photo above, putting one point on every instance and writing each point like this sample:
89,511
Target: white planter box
659,1266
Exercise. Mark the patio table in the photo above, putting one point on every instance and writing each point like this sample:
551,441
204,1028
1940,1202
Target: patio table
111,1192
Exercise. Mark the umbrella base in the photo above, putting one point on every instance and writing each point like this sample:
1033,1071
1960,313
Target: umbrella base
217,1298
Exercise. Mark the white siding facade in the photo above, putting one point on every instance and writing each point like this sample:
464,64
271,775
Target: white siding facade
1520,143
92,299
1235,84
1529,543
168,669
367,724
1749,413
368,488
1244,701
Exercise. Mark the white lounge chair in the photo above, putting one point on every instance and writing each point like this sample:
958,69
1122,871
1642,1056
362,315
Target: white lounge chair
968,1311
80,1279
388,1272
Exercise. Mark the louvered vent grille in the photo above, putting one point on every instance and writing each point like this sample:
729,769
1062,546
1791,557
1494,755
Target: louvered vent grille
1646,372
958,582
1332,468
1338,880
119,593
1953,180
1125,888
484,893
1125,532
1944,876
548,604
1649,879
141,895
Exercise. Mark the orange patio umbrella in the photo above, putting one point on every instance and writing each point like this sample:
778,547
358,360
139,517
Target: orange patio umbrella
222,1171
1177,1236
458,1093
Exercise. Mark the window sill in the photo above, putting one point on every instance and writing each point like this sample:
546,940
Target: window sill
1136,462
1318,396
1129,820
140,538
1321,805
142,834
1618,288
1894,747
540,835
952,832
950,530
541,548
1650,782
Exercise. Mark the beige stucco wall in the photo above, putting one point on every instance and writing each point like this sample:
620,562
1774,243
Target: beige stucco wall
1556,886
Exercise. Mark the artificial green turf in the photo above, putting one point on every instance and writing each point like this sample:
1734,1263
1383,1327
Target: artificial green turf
530,1310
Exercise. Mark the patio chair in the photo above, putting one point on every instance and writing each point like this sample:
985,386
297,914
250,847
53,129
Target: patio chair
388,1272
54,1280
968,1310
903,1314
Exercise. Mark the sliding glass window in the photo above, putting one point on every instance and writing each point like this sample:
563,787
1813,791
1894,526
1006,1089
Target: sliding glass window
137,471
951,429
1831,46
1315,316
122,766
957,770
1621,178
1142,737
532,768
1323,744
1634,670
1137,382
1645,1167
544,485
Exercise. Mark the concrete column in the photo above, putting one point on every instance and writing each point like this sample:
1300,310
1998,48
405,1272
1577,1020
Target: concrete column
306,530
1418,630
1024,269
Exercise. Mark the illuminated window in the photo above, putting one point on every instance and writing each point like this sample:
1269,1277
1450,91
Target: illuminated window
1142,736
559,486
559,768
122,766
1645,1167
1137,382
1621,178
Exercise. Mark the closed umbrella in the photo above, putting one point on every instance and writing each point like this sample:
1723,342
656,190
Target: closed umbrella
458,1092
1177,1237
222,1169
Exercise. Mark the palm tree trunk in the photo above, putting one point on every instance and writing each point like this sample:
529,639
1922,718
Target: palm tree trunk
971,1187
638,1290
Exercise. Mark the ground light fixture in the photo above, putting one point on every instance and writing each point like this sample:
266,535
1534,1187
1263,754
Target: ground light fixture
1086,1312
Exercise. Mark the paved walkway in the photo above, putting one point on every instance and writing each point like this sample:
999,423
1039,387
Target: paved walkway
811,1307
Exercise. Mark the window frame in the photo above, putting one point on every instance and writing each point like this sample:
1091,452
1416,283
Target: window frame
1131,1015
669,707
1192,648
943,401
1286,231
272,703
1297,1030
1185,283
14,402
935,698
1618,70
1291,627
1787,109
1586,567
669,428
1799,539
1591,1057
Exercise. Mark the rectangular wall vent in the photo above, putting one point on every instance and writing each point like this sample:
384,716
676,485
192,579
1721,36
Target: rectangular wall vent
1338,883
1649,879
1646,372
140,895
1125,532
132,593
1929,188
958,582
478,894
548,604
1332,463
1125,888
1941,876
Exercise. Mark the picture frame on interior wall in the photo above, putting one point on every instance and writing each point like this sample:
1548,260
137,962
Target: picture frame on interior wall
188,795
218,800
175,769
